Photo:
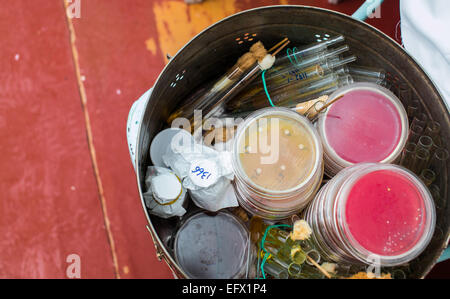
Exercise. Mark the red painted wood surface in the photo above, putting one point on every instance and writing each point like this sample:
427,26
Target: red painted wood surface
62,191
49,205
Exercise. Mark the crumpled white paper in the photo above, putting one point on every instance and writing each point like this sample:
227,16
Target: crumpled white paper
206,173
158,206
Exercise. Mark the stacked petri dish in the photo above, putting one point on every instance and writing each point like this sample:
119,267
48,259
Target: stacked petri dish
372,213
368,124
211,246
278,163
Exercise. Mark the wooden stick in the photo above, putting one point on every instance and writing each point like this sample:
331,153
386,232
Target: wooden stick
318,266
281,48
277,45
313,117
329,103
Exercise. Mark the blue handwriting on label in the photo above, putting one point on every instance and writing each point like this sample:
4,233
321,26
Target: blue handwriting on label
202,173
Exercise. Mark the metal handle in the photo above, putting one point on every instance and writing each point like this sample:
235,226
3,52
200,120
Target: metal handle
161,256
159,253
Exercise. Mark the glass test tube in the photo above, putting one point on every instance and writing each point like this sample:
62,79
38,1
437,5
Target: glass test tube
274,257
310,73
276,270
289,97
415,133
287,255
309,272
436,193
432,129
335,65
298,54
408,155
295,270
420,119
342,70
283,66
311,92
359,78
297,77
366,72
413,109
437,144
284,245
338,63
314,255
301,88
309,60
404,93
318,107
425,142
439,160
421,159
428,177
299,256
441,156
398,274
292,75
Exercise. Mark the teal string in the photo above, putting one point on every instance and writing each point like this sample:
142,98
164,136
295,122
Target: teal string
265,88
293,53
289,54
263,240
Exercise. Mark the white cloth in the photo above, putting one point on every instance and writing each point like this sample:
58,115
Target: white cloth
160,206
425,26
206,173
134,121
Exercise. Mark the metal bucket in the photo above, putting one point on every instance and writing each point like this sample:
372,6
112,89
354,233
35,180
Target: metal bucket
210,53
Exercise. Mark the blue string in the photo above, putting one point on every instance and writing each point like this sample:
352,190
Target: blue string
263,240
265,88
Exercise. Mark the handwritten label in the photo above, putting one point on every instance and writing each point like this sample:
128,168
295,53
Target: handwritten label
203,173
295,75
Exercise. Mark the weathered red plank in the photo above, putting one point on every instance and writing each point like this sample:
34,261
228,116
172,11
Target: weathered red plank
49,205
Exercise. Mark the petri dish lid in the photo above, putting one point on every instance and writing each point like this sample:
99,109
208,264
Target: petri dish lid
385,213
369,124
212,247
166,187
304,125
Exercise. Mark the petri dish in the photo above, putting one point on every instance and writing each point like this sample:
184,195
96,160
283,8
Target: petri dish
385,213
368,124
167,140
288,159
212,246
372,213
277,159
